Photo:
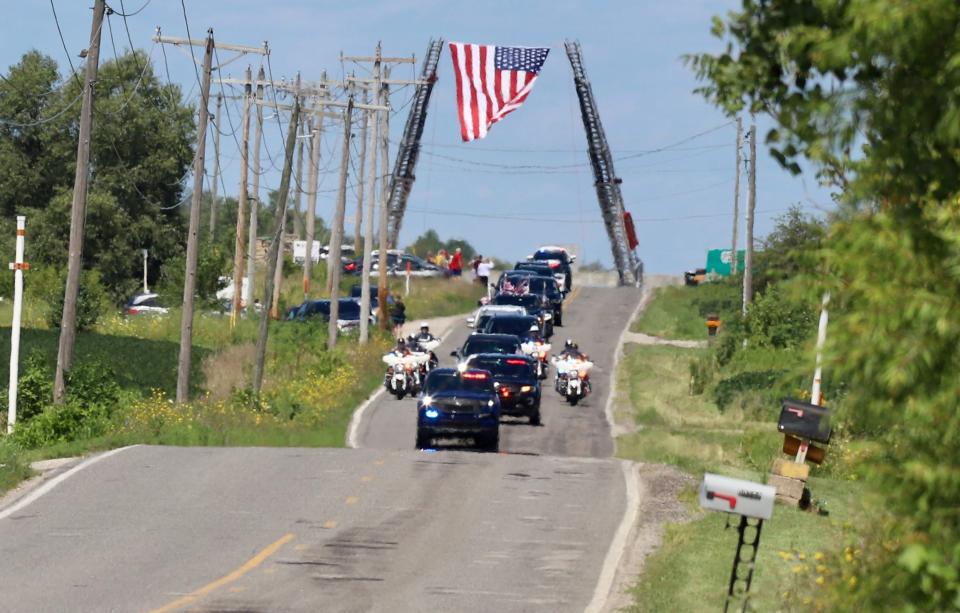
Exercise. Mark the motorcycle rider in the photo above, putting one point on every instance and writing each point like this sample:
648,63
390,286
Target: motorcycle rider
425,335
571,351
401,349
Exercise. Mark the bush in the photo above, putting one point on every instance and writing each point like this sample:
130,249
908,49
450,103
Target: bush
48,285
776,320
212,263
751,380
34,387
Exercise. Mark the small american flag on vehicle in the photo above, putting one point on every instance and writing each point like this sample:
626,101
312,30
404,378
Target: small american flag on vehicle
519,288
492,82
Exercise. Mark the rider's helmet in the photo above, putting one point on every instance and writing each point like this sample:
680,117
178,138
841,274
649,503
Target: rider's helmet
575,347
401,343
569,344
534,328
424,326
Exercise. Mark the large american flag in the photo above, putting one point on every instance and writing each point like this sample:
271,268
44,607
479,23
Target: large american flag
492,82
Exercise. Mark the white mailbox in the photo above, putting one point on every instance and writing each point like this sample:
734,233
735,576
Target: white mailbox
719,493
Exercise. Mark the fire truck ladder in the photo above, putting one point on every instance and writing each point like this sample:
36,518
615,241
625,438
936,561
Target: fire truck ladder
402,178
605,179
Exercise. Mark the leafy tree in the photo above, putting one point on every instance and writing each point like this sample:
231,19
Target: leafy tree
869,92
429,242
791,249
140,153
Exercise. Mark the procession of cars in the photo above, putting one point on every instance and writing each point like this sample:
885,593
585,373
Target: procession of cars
500,367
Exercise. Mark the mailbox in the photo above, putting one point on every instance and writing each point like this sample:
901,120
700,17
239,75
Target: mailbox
805,421
746,498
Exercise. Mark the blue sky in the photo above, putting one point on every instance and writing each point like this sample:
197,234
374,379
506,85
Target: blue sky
680,198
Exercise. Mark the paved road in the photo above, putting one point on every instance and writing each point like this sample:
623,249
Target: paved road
594,318
381,528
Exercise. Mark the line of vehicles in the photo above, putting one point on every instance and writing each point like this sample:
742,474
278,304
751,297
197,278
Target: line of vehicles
500,367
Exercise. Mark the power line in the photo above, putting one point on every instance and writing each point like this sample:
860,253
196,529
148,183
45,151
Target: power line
125,15
196,71
56,20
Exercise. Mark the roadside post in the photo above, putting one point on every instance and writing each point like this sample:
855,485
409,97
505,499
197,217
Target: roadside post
18,266
713,324
753,502
145,290
407,288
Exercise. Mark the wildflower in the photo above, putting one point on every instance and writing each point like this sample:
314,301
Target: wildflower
785,555
818,556
799,568
819,580
821,569
852,581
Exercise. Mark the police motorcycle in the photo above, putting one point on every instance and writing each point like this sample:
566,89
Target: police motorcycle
537,348
573,374
404,370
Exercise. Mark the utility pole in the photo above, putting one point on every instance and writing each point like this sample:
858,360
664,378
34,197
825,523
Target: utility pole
316,127
190,276
273,255
336,236
298,199
736,199
216,167
238,245
255,193
751,206
380,83
371,129
358,218
78,211
382,279
278,269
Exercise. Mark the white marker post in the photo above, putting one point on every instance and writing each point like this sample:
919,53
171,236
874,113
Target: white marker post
816,396
18,267
145,290
407,288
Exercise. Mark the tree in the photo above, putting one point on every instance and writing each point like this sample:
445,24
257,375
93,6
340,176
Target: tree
429,242
869,92
791,249
141,150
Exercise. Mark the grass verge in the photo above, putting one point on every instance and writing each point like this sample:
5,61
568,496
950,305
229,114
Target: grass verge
679,312
691,569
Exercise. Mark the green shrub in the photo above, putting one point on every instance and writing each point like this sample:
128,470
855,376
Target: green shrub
35,386
778,320
762,380
63,423
48,285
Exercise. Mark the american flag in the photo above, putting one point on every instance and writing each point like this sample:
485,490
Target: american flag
520,288
492,82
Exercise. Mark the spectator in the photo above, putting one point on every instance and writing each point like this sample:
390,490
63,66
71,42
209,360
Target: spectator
456,263
483,272
441,260
398,315
475,262
430,257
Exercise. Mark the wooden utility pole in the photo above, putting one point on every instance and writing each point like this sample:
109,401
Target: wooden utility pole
216,167
278,269
273,255
238,245
316,128
254,197
751,206
358,218
371,129
336,235
736,199
384,258
190,275
298,198
78,210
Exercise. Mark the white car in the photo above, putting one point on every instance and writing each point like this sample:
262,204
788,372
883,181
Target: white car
145,304
489,310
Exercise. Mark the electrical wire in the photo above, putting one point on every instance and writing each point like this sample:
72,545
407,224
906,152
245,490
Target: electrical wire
125,15
186,22
56,20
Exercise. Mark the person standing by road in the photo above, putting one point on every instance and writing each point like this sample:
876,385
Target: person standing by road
398,315
483,272
456,263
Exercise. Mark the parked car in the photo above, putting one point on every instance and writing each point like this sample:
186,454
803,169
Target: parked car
145,304
348,312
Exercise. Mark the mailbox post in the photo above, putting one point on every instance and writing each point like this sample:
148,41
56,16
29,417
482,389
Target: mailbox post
753,502
713,324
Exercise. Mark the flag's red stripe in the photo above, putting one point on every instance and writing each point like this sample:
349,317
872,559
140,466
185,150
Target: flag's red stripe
468,51
513,86
485,85
498,87
456,70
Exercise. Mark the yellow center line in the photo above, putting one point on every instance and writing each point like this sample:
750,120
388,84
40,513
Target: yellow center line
249,565
573,294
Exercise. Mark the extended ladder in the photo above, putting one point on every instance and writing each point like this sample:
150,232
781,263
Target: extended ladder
605,180
402,177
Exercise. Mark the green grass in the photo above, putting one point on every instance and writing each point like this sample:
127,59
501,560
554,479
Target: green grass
691,569
679,312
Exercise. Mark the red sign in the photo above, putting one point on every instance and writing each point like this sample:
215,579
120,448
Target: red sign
631,231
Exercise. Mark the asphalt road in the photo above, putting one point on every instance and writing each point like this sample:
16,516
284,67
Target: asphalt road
380,528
